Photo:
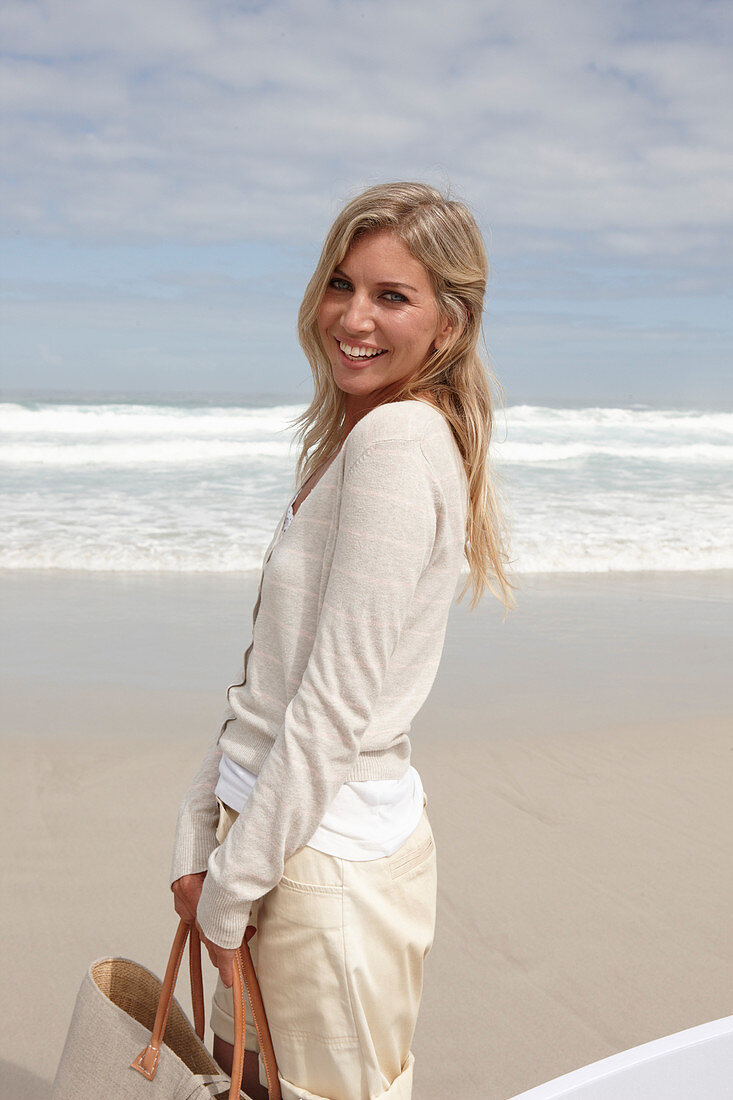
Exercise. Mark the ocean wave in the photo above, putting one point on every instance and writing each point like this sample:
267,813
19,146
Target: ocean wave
189,452
175,452
511,452
128,559
142,420
229,559
675,420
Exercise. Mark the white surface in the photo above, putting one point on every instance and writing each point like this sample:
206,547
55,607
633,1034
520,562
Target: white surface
696,1064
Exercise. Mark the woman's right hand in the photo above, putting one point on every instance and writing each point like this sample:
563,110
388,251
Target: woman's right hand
186,894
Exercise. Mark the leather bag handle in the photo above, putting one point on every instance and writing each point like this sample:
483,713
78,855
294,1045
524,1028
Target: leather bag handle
197,981
245,980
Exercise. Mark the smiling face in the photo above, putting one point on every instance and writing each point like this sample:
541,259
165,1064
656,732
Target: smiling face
378,320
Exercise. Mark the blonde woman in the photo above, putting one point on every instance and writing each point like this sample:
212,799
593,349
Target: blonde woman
306,817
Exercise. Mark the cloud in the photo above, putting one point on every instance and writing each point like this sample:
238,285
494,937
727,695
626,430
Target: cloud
228,121
172,167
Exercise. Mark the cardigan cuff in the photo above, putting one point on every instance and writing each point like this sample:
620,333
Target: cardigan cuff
222,917
194,842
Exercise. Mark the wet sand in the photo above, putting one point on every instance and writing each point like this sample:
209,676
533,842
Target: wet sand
578,762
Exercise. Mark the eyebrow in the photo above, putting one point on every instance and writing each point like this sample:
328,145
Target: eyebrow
404,286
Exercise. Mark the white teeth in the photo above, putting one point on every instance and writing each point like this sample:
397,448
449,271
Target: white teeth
359,352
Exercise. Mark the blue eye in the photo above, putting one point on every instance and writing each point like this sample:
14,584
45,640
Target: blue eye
340,284
395,296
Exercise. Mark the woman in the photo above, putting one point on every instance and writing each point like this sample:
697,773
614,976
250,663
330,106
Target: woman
306,818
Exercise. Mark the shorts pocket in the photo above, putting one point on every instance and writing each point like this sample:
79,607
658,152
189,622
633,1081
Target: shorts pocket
301,961
414,852
310,892
308,903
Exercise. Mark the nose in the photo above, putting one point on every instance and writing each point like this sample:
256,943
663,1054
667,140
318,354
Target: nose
357,315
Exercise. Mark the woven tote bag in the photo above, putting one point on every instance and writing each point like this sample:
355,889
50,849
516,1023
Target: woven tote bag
129,1039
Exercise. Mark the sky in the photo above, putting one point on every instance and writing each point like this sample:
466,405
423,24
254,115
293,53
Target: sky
171,169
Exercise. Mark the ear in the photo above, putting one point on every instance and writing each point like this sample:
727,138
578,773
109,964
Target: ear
444,335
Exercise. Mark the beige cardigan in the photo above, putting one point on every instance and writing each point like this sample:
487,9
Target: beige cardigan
348,630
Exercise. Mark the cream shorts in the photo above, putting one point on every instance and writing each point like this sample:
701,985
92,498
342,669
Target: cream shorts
339,953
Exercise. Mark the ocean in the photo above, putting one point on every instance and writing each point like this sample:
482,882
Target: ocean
186,487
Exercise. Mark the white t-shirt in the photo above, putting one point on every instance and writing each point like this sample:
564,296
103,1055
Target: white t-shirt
366,820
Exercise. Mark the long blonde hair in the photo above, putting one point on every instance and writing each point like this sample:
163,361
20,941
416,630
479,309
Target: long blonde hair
442,234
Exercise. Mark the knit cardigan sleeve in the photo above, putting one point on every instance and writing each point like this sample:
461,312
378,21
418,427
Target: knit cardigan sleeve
386,534
197,819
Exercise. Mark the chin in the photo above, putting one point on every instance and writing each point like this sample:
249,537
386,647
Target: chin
356,384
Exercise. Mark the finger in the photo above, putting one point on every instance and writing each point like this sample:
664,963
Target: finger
183,910
210,948
226,972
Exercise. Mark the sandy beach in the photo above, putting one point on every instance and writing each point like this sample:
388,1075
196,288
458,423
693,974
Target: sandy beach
577,758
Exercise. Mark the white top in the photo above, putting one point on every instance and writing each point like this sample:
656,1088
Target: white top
366,820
